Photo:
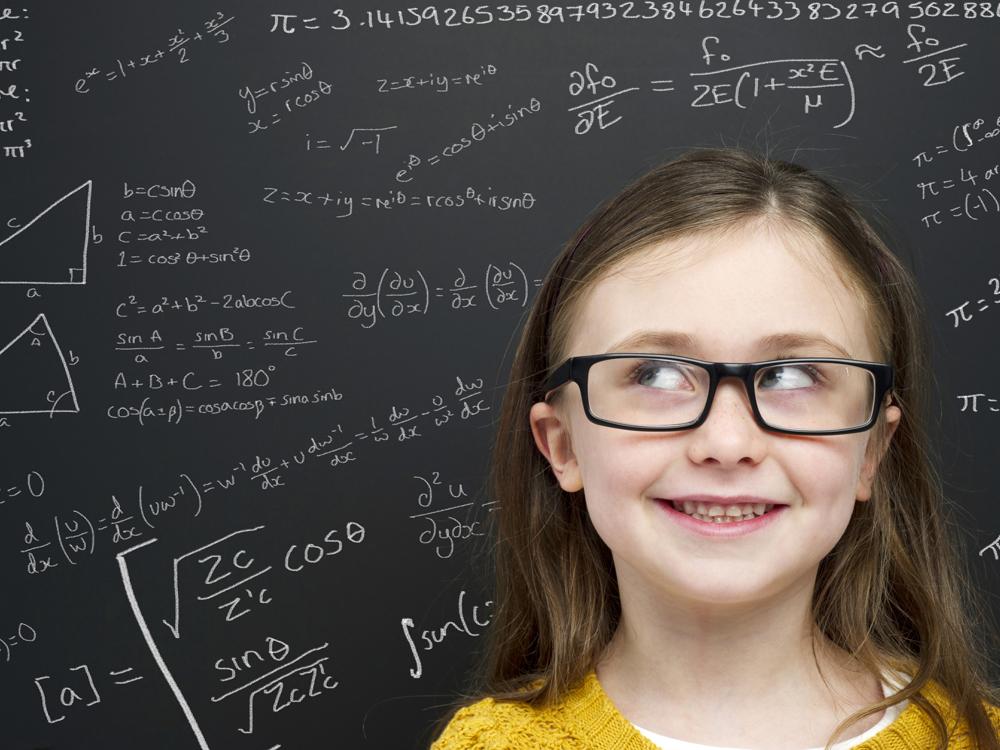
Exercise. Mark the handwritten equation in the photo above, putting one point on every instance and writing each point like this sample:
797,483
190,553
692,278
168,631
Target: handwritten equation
215,342
443,531
208,569
964,313
76,689
471,198
964,137
972,189
77,533
177,45
549,14
290,681
396,295
738,86
478,132
301,96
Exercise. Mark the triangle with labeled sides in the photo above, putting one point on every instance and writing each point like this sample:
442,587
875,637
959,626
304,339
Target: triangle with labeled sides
51,247
34,376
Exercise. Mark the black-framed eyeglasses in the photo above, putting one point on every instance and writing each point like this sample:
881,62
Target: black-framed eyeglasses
659,392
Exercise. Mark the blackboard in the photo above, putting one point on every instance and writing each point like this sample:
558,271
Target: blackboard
263,269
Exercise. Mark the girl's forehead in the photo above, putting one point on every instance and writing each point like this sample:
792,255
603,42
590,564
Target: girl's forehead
759,239
727,292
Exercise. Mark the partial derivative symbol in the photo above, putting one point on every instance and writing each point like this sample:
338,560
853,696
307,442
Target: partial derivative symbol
48,249
34,376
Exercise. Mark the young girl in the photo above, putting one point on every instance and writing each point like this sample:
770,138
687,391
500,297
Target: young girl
693,553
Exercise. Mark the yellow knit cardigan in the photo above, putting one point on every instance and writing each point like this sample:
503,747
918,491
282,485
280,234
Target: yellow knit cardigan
587,718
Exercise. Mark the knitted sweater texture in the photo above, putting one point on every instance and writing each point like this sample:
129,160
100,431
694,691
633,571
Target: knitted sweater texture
587,720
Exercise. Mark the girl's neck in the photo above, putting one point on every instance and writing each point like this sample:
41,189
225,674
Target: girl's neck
796,706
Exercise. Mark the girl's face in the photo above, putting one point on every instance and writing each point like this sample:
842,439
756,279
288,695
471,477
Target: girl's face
726,293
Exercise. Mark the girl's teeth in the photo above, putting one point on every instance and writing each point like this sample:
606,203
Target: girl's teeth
720,514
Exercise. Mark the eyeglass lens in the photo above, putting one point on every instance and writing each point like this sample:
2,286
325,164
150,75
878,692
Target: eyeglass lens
796,396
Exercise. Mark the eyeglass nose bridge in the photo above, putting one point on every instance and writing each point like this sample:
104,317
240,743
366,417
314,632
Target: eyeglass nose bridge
743,371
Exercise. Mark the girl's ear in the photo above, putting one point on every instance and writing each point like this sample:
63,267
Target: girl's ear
874,454
553,439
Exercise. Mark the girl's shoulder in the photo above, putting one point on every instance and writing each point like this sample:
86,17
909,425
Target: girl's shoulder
582,718
489,723
914,728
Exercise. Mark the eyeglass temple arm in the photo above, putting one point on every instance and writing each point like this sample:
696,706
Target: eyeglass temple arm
559,376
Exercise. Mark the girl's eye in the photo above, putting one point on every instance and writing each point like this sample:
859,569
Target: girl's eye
660,375
790,376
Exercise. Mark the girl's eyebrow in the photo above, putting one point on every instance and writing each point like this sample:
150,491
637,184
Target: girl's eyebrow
678,341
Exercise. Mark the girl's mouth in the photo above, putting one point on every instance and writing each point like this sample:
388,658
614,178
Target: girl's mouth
715,513
715,520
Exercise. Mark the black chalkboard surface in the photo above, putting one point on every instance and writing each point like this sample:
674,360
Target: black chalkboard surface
263,267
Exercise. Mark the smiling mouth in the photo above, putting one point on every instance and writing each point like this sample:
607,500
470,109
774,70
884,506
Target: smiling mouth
718,513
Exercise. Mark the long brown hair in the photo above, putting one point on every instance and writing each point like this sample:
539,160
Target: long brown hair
893,592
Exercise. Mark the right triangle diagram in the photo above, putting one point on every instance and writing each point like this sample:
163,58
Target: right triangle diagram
34,376
50,248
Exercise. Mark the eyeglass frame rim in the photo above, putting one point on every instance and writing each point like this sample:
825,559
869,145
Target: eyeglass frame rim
576,369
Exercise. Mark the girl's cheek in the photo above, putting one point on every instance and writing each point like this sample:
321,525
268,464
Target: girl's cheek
822,464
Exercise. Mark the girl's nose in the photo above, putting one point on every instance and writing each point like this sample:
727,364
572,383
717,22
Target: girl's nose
729,432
